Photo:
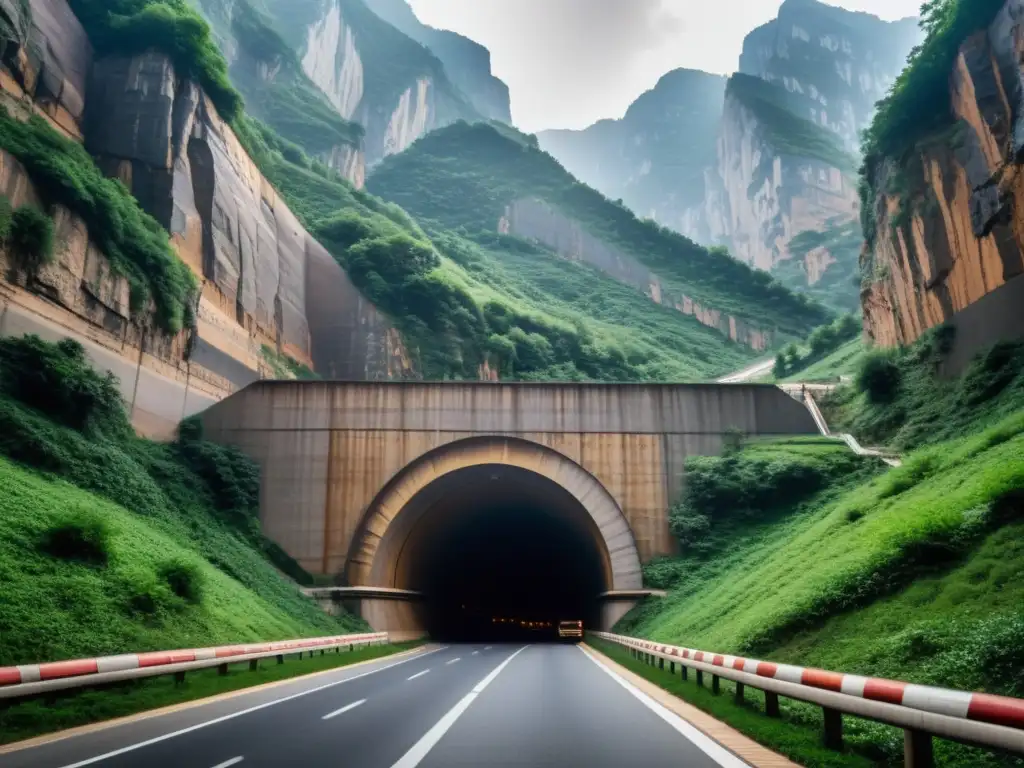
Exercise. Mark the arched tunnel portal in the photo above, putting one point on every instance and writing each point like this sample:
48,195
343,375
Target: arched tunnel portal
494,532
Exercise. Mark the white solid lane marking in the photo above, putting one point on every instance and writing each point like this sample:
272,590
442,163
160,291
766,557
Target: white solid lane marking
488,647
422,748
452,661
343,710
418,674
475,653
699,739
229,763
233,715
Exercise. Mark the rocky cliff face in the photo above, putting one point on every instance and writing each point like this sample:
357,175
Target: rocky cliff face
371,72
654,158
535,220
836,62
277,90
949,246
782,193
763,192
467,63
161,136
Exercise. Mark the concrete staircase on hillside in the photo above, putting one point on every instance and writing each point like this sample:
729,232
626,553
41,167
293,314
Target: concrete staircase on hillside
805,393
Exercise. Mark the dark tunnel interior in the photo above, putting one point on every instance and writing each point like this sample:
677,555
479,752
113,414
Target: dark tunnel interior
503,554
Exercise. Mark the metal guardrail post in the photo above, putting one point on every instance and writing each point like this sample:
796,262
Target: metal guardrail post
833,728
739,692
917,749
700,679
280,658
222,669
661,663
686,671
179,678
771,704
254,665
716,684
671,667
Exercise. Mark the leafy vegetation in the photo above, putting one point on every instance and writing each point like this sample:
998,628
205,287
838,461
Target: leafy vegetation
825,340
915,573
59,712
901,401
843,363
461,301
839,287
464,176
749,486
285,367
787,133
129,27
919,104
30,238
137,544
135,244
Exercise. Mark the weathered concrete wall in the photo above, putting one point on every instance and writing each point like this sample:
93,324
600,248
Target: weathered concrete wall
328,450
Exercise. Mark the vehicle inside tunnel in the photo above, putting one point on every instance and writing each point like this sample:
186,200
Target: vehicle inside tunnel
500,553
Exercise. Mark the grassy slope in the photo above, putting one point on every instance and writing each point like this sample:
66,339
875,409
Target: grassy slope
52,608
117,543
465,176
664,345
845,361
917,574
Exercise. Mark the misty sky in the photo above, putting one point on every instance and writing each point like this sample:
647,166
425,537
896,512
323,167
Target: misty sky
569,63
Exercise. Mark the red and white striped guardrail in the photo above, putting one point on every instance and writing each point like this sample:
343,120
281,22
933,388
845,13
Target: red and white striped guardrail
69,674
994,720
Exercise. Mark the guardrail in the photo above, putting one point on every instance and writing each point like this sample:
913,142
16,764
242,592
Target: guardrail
33,679
921,711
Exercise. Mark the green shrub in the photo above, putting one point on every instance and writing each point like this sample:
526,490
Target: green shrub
58,380
184,578
6,213
750,483
136,245
665,572
879,377
30,238
82,537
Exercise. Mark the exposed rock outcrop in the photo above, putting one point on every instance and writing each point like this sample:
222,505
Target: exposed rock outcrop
947,250
535,220
372,73
162,137
654,158
467,63
837,63
762,195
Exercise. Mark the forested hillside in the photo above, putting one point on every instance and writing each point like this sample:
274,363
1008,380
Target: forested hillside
469,176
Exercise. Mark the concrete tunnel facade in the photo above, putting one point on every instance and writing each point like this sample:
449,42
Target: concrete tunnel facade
385,486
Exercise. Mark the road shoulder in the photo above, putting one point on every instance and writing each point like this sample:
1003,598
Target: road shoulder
744,747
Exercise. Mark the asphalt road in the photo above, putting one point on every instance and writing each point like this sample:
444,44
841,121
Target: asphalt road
468,705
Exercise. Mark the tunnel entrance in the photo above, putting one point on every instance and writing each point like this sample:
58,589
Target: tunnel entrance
500,553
